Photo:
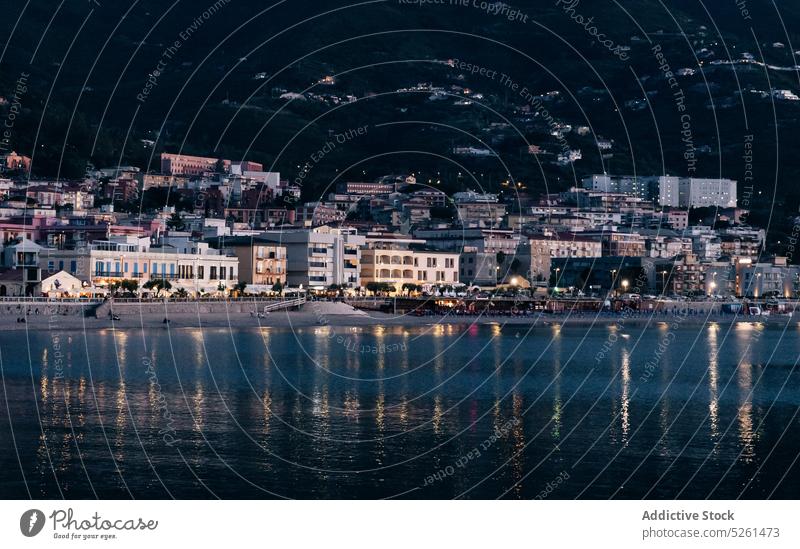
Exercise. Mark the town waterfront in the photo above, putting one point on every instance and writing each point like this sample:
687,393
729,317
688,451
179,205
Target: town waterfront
424,411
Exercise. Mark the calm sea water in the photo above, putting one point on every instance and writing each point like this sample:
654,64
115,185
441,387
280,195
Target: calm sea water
424,412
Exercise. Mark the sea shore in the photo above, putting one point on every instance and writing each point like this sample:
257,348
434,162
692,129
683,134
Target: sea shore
321,316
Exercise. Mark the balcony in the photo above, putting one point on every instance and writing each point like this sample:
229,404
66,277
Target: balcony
157,276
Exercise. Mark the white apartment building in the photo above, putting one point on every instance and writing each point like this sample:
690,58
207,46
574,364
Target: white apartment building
400,260
321,256
692,192
190,265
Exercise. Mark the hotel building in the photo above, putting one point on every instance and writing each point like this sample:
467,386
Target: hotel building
399,260
186,264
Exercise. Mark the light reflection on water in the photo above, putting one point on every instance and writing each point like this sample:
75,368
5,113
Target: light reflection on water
297,414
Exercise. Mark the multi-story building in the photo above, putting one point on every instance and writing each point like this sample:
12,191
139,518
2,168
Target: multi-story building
666,245
190,265
619,243
686,276
538,251
431,197
313,214
260,217
740,246
157,180
706,244
478,268
678,219
13,161
481,210
644,188
247,166
20,271
365,189
183,164
261,262
399,260
321,256
692,192
481,240
742,241
773,279
121,190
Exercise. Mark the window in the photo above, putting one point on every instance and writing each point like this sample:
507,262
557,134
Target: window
51,266
201,272
431,262
222,273
61,265
155,268
213,273
73,266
